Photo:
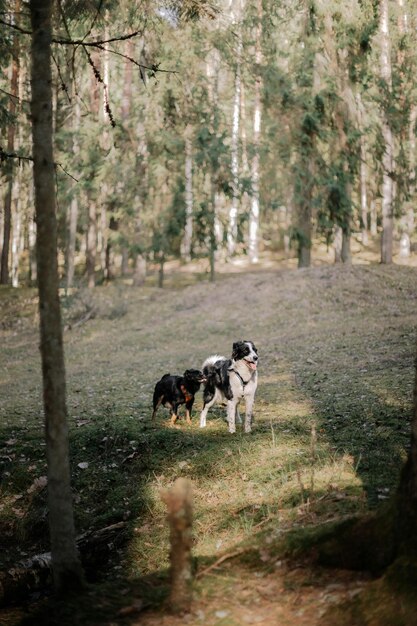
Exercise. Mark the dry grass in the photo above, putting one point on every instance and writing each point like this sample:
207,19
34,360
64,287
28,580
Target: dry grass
336,351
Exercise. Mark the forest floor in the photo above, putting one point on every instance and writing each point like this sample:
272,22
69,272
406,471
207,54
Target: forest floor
332,413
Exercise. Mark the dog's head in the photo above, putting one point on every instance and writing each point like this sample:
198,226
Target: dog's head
246,351
195,376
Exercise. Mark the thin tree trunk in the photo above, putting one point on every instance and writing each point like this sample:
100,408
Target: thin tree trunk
363,172
91,242
188,231
254,210
337,244
67,571
7,223
345,253
72,217
33,273
139,275
412,167
232,230
388,157
16,235
212,69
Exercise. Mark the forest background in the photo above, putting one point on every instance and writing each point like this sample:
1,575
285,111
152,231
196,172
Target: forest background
214,130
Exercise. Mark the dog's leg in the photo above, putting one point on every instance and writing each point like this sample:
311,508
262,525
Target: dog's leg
174,417
204,412
231,415
238,418
156,404
188,408
248,414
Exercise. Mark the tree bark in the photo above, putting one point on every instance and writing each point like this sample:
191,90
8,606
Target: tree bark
67,570
72,216
91,242
254,209
188,231
7,223
388,157
232,229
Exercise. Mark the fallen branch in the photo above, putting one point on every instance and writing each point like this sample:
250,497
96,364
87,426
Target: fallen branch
222,559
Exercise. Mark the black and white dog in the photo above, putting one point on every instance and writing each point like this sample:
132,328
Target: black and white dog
231,380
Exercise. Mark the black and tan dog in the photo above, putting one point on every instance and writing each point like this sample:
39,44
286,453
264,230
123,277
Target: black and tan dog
172,391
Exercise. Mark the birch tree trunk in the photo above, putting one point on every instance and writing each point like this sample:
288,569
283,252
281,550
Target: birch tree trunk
232,230
67,571
254,209
388,157
7,219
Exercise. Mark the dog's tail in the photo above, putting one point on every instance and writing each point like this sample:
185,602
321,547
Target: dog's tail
211,364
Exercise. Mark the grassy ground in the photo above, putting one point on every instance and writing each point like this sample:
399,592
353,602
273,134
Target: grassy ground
336,349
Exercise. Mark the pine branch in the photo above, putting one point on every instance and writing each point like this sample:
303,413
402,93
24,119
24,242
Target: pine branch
4,156
75,42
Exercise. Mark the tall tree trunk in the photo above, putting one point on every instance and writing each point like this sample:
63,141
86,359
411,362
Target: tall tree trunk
7,223
33,270
337,244
188,231
412,166
72,217
254,210
67,571
388,157
139,274
363,171
212,70
16,235
101,223
232,229
91,242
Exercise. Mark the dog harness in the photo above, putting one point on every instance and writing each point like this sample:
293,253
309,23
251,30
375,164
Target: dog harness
244,382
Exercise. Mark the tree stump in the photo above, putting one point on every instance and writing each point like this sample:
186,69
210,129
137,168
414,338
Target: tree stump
179,515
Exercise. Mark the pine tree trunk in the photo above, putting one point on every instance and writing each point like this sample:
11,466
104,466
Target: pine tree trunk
254,210
363,172
16,235
72,217
33,270
67,571
188,232
91,242
388,157
7,220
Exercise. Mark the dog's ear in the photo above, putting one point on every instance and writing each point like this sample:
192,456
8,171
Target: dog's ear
237,346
